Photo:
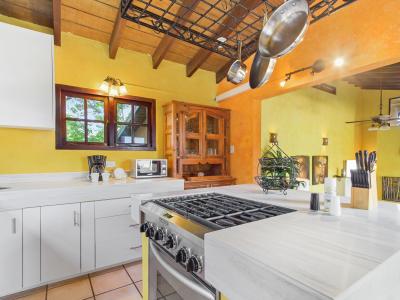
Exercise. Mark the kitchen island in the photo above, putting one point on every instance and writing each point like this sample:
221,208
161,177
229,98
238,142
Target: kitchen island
306,255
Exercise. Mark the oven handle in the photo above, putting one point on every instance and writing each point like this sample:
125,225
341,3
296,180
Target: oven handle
187,282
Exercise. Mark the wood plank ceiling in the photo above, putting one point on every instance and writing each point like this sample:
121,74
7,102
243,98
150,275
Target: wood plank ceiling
387,78
100,20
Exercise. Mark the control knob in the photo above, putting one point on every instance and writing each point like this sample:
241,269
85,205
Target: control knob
159,235
144,227
194,264
171,242
150,232
182,255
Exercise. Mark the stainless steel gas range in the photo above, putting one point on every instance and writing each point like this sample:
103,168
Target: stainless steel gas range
176,227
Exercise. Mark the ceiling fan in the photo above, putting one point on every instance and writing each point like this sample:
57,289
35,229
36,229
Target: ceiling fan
380,122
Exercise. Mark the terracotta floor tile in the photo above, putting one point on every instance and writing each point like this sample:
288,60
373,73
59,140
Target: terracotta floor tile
110,281
125,293
139,285
77,290
38,295
135,270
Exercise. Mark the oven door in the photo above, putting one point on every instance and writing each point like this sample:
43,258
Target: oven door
168,280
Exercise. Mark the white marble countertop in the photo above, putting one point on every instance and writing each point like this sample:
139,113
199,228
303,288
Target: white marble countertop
304,255
62,190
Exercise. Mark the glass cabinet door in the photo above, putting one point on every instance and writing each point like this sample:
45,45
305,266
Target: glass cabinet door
192,122
193,133
214,135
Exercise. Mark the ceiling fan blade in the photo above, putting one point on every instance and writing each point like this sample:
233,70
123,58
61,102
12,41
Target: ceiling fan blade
361,121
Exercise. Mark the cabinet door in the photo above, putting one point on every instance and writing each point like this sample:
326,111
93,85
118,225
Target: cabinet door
117,240
10,252
26,78
31,245
214,134
60,243
193,140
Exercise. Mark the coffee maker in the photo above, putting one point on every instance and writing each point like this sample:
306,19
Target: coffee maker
97,164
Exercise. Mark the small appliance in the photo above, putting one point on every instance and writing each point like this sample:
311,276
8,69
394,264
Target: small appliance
149,168
97,164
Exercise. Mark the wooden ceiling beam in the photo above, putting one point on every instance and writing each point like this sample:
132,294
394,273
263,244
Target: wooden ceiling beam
116,35
167,41
236,15
57,22
221,73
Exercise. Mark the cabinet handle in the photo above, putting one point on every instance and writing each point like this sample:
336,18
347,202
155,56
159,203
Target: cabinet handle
133,225
76,218
13,225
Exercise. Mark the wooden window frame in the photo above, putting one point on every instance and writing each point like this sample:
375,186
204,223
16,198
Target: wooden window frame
110,108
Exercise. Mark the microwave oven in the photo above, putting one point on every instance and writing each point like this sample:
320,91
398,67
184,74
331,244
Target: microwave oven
149,168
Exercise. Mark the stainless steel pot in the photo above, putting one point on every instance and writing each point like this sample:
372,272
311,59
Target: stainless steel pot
284,29
237,71
261,70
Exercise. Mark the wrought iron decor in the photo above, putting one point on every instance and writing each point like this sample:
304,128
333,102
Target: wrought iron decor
214,25
277,170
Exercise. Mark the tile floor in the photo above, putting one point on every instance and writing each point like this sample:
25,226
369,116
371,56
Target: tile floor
121,283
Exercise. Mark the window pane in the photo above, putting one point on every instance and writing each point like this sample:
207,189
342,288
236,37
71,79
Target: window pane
124,112
124,134
95,132
140,114
140,135
192,147
75,108
95,110
192,122
212,125
75,131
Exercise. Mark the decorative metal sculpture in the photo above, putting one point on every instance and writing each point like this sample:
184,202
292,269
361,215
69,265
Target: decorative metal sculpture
277,170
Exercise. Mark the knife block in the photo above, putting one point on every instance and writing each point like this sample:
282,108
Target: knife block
363,198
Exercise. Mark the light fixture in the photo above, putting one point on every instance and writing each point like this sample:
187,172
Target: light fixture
317,67
373,128
339,62
273,138
283,82
114,87
325,141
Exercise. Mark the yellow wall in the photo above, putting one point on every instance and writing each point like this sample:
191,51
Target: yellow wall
386,143
84,63
302,118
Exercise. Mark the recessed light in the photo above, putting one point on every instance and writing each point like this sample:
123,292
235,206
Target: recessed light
339,62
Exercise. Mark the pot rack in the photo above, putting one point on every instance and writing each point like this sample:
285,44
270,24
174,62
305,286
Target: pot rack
215,25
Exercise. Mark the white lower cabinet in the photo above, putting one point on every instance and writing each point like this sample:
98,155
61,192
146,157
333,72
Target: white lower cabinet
117,240
60,241
10,251
31,247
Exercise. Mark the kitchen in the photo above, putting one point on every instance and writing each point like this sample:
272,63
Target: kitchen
102,91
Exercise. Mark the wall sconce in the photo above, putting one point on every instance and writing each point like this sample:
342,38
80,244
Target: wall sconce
273,138
114,87
325,141
316,67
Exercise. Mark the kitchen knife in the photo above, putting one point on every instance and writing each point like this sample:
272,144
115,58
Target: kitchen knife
366,165
360,157
358,161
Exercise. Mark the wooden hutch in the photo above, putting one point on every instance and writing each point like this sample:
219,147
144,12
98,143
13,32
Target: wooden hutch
197,144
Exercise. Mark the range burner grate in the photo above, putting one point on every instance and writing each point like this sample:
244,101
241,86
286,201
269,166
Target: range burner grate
219,211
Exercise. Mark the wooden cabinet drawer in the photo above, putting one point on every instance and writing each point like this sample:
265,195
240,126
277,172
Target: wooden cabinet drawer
117,240
113,207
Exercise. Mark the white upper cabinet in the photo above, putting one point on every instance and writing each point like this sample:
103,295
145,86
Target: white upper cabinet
26,78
